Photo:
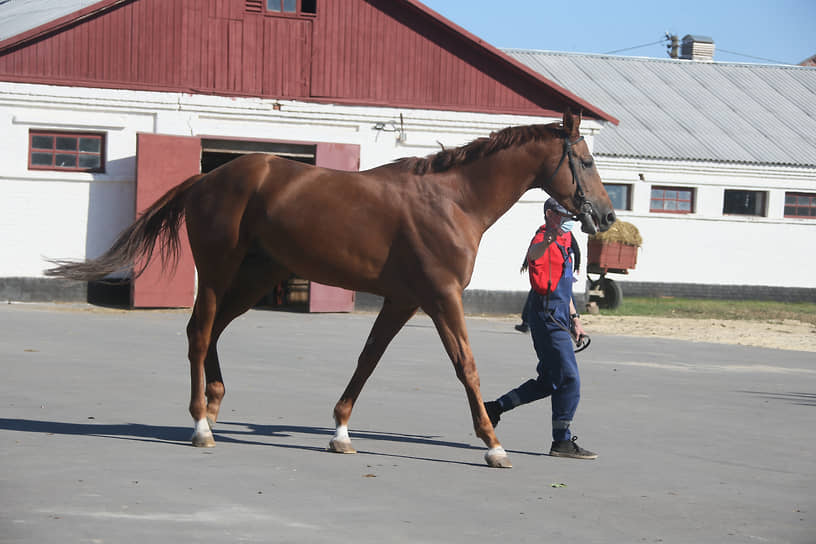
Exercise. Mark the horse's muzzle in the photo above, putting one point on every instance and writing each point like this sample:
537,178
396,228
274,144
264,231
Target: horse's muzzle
591,222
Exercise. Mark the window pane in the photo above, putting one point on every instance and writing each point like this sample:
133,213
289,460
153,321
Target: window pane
42,142
90,145
790,199
671,194
744,202
803,200
41,159
684,206
619,195
670,205
308,6
273,5
91,162
657,193
66,143
290,6
66,161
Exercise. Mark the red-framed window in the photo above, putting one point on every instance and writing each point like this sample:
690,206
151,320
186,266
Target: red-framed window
802,205
290,8
71,151
672,200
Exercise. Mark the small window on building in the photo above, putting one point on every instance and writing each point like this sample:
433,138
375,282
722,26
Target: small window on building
672,200
739,202
290,7
75,152
620,194
801,205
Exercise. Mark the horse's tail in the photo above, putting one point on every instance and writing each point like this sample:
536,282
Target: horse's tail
160,222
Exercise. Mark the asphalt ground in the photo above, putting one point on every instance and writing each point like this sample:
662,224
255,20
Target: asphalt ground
698,443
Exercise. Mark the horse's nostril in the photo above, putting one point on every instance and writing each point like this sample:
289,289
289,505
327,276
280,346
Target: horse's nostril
610,218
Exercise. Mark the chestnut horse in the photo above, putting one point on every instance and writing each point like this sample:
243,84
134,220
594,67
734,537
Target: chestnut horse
407,231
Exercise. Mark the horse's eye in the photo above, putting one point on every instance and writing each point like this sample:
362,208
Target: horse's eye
587,163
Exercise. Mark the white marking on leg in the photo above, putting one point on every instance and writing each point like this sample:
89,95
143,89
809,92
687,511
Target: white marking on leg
498,458
202,427
341,433
202,432
202,435
498,451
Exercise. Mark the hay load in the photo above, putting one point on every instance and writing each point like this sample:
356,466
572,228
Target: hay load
620,232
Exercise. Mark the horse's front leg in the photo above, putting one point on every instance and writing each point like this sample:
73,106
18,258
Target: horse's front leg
388,323
449,318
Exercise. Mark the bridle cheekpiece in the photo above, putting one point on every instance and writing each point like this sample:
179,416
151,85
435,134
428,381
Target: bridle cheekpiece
583,205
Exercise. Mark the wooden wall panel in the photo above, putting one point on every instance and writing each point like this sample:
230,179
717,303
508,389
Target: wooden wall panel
354,51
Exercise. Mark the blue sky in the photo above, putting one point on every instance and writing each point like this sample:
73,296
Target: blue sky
743,31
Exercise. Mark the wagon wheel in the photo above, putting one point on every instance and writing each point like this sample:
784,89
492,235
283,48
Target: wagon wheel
611,296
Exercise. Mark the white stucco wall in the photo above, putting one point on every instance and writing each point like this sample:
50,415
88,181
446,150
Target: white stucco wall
707,246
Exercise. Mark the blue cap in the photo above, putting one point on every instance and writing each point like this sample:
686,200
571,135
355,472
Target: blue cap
552,204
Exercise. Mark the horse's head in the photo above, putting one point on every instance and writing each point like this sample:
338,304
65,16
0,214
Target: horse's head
579,188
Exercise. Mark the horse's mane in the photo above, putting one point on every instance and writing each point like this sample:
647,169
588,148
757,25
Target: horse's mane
479,148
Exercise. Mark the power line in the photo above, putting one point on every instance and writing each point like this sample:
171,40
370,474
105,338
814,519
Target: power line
750,56
635,47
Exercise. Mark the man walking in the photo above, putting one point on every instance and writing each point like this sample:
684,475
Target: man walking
551,317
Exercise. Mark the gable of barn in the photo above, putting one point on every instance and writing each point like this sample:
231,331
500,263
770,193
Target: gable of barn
362,52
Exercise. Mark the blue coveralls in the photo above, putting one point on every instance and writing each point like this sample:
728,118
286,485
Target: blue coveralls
557,368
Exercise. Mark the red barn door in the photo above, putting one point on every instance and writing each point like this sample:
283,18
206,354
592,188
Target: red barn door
323,298
163,161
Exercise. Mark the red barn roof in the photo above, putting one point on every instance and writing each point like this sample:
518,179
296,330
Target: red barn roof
368,52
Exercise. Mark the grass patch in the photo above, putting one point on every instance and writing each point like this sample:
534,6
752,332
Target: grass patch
716,309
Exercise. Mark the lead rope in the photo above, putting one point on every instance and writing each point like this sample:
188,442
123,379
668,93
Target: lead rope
582,342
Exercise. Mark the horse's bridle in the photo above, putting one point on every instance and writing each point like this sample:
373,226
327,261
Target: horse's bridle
584,207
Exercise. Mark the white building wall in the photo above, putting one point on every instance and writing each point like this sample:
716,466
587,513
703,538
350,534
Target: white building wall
707,246
77,215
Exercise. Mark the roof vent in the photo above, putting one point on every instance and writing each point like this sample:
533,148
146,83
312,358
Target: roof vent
697,48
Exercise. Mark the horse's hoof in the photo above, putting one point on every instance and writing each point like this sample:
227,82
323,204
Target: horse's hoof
498,458
203,440
341,446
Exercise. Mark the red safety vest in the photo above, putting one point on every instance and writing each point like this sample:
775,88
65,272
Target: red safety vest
546,271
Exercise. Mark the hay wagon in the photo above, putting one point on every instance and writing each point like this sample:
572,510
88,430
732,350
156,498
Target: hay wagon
614,251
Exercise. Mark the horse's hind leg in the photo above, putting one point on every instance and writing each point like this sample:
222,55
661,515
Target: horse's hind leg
391,319
199,331
218,256
256,277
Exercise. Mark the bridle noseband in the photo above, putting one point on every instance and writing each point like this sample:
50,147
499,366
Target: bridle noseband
584,206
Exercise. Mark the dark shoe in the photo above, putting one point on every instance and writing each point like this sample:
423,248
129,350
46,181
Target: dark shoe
493,412
569,448
523,327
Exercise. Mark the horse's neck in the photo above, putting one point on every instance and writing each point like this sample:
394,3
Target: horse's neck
496,182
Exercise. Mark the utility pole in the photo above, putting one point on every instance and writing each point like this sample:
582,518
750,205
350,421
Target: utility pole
673,46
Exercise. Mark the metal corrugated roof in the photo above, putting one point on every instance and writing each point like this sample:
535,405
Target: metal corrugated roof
687,110
18,16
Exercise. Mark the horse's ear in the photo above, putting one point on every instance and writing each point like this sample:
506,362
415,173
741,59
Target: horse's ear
572,122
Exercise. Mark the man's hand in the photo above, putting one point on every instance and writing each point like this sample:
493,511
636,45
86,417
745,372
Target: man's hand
537,250
579,329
